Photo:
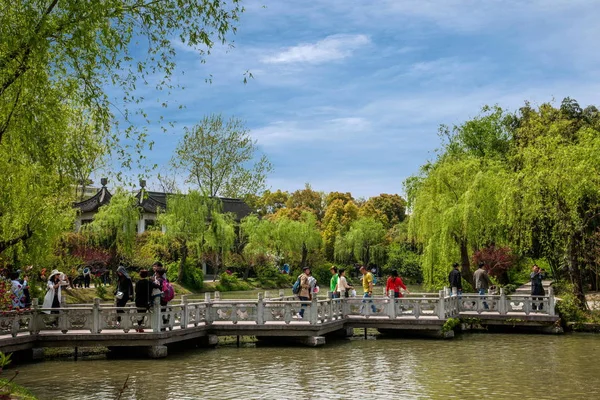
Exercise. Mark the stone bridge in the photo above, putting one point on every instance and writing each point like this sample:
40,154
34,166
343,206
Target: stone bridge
268,318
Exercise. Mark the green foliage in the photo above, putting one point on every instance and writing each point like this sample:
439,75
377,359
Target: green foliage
365,241
405,261
4,360
450,324
193,278
269,277
569,307
100,289
115,223
229,283
219,157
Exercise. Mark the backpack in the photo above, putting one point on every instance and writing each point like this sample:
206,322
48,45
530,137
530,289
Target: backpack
296,287
167,291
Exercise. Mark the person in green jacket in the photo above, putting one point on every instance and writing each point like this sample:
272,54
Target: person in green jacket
333,283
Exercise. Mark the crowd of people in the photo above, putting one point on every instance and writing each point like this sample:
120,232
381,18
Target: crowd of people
151,285
339,286
483,283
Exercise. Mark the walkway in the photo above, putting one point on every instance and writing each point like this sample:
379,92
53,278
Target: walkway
106,325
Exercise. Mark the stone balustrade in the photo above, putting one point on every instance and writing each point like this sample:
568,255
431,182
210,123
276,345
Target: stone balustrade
266,310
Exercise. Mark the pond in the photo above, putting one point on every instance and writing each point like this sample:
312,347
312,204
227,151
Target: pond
471,366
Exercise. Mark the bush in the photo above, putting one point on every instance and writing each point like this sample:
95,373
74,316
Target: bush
100,289
270,278
569,306
406,262
230,283
193,278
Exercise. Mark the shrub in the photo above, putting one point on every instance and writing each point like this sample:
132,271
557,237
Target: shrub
406,262
100,289
270,278
229,283
569,307
193,278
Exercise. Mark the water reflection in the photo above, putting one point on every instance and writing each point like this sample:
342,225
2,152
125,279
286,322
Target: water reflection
468,367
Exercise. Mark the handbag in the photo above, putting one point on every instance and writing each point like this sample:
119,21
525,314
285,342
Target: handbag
119,295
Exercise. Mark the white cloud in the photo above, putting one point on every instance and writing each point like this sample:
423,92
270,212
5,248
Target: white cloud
284,133
331,48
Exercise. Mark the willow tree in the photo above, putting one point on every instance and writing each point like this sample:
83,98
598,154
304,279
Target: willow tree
220,235
302,236
558,201
115,225
258,234
365,241
186,221
57,55
457,201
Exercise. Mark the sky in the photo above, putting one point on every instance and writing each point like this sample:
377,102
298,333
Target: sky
348,95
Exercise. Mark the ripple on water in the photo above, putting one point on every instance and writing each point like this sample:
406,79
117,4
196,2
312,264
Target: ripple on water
469,367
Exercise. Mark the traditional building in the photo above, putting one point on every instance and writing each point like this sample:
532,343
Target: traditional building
150,203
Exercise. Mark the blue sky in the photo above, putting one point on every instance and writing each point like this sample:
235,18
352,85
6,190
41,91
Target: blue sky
347,95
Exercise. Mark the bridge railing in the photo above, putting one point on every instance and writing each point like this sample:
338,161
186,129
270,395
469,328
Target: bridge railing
504,304
97,317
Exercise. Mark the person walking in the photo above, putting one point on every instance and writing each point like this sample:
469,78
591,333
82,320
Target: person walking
333,283
124,291
394,283
537,287
342,285
482,282
455,280
305,293
87,277
17,292
143,296
54,292
367,282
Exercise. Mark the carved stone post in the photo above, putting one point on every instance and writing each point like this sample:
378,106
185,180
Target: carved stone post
217,296
260,310
391,309
502,303
156,317
209,318
96,316
185,316
441,304
35,316
330,303
281,294
314,309
551,301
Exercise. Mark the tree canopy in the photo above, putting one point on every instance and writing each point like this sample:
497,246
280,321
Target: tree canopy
220,158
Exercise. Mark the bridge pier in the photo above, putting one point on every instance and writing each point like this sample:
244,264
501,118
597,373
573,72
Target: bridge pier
157,351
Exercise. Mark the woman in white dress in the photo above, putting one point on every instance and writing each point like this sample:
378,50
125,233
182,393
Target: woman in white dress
52,298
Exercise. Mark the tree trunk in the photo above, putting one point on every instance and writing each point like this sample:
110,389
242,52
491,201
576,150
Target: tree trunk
575,273
183,259
304,255
216,266
465,263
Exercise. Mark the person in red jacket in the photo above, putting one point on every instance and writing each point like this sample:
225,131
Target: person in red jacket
394,282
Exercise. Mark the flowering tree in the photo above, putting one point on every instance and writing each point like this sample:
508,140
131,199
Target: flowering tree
497,260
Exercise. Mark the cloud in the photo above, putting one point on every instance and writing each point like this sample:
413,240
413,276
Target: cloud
334,47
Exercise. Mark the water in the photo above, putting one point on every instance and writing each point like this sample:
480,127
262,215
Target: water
471,366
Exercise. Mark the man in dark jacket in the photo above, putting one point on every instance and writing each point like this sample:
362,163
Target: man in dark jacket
455,280
143,296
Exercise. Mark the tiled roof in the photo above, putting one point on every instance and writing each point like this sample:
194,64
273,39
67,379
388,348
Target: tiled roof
93,203
151,202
